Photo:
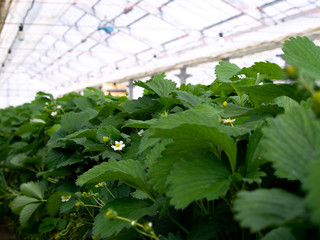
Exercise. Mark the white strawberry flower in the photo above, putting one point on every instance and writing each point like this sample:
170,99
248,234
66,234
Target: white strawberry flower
118,145
65,198
228,120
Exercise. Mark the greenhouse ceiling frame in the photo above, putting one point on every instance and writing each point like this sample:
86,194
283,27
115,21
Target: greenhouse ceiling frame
83,48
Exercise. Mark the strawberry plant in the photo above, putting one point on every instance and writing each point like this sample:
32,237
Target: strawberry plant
237,159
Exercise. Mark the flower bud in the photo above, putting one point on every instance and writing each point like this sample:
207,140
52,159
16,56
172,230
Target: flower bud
111,214
147,227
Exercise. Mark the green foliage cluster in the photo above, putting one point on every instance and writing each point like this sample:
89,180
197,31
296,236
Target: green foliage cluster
237,159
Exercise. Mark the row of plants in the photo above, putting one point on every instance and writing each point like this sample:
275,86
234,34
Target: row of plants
237,159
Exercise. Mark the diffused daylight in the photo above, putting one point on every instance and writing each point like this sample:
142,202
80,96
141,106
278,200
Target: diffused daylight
59,46
160,120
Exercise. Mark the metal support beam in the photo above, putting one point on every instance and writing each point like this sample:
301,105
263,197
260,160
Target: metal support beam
130,88
4,10
183,75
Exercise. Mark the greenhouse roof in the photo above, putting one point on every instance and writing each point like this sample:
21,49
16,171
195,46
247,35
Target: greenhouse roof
59,46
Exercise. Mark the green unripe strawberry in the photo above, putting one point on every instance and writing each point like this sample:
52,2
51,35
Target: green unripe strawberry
316,103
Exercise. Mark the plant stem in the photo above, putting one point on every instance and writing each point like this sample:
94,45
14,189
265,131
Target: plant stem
305,84
235,186
137,229
89,211
98,201
105,196
146,234
110,192
177,223
89,205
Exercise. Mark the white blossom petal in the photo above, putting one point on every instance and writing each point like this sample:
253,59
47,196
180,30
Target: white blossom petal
65,198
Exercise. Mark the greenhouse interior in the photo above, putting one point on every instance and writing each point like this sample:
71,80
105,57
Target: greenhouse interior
159,119
63,46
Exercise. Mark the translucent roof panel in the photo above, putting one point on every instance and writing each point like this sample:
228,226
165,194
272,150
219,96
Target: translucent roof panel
196,15
70,44
155,31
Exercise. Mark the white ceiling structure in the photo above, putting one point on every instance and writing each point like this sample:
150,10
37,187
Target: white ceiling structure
66,45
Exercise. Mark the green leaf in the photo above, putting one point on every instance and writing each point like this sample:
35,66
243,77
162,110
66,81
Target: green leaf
268,91
226,70
58,158
280,233
19,202
198,137
53,129
196,128
196,177
254,176
292,142
159,172
287,103
56,136
66,207
92,113
61,224
27,212
26,130
222,89
254,157
203,114
93,146
72,121
32,189
94,92
108,131
156,151
158,84
264,208
168,102
114,120
143,105
111,154
233,110
304,54
130,208
54,202
139,123
272,70
129,172
139,194
17,161
147,142
313,191
188,99
83,103
48,224
107,109
83,133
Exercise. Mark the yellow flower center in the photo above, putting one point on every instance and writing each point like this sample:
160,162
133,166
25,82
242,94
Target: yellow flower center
65,197
109,214
229,120
224,103
118,145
